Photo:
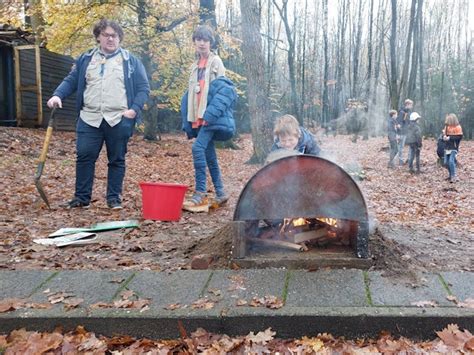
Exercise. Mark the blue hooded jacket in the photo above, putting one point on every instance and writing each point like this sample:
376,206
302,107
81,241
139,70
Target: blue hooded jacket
136,82
306,143
219,112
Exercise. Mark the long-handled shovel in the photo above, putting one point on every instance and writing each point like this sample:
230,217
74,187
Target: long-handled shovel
42,158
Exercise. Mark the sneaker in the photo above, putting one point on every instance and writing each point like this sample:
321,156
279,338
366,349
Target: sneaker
75,203
219,201
114,204
197,203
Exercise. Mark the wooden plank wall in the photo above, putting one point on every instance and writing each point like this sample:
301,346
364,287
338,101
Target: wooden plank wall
54,68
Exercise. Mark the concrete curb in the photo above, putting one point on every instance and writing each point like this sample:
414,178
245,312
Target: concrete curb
288,323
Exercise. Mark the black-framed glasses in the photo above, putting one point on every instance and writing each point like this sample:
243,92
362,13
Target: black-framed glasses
109,35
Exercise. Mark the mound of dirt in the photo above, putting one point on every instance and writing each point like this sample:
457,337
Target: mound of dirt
392,258
218,245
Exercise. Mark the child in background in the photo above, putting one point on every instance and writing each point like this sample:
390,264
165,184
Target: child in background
291,136
403,121
414,141
393,136
452,135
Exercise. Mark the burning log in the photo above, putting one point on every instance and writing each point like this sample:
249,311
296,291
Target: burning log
310,235
277,243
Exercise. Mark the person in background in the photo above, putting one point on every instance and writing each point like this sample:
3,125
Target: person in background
414,141
393,136
452,135
207,115
403,120
111,88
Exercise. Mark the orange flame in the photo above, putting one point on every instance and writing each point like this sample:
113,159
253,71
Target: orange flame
299,222
331,221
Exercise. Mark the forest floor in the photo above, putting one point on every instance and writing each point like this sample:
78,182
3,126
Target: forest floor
422,221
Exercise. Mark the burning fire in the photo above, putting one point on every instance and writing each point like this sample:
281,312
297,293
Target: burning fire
299,222
331,221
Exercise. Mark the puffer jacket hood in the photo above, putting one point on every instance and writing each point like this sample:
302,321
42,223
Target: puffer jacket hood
219,113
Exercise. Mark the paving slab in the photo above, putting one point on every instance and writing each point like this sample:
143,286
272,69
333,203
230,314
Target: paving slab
327,288
183,287
392,292
460,284
92,286
297,318
246,284
21,284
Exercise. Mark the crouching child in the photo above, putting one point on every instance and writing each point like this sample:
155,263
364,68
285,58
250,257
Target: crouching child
289,135
414,142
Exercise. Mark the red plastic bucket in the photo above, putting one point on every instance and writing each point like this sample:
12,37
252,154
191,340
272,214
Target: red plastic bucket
161,201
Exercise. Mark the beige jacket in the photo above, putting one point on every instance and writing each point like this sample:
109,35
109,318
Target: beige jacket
214,69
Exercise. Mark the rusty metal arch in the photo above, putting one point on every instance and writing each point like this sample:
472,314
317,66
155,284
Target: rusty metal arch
301,186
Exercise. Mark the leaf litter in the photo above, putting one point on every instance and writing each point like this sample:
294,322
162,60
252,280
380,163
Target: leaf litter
451,340
427,220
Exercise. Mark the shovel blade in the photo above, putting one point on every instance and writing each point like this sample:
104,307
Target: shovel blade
41,191
39,186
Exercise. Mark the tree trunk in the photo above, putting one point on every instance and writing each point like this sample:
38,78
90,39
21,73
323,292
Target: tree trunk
325,117
303,64
369,52
150,116
420,60
207,13
259,105
393,58
417,47
408,49
355,55
379,49
340,64
283,10
34,18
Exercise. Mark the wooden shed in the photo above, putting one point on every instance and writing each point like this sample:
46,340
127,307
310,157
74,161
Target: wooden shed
28,76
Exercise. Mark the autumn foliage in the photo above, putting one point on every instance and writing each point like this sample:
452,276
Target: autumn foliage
450,340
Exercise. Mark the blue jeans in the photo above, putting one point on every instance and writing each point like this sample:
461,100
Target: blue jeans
393,151
401,144
204,155
450,162
89,143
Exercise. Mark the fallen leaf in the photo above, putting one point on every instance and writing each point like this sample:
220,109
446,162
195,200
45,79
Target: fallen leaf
215,291
71,303
314,343
173,306
11,304
117,280
261,338
125,295
100,305
202,303
454,337
241,302
425,304
468,303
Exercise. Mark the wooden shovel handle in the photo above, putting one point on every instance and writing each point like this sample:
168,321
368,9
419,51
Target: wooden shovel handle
47,139
44,151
